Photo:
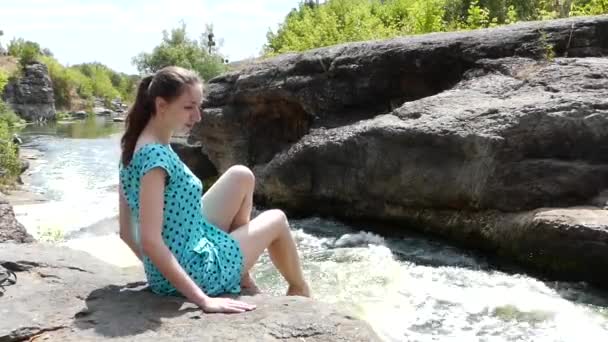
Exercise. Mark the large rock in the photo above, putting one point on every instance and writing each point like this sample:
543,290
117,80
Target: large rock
424,130
10,228
65,295
252,114
514,134
191,154
565,243
31,96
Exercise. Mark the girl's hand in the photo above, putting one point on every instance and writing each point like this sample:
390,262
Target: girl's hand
225,305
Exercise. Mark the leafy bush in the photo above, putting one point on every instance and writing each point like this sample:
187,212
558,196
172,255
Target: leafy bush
338,21
10,166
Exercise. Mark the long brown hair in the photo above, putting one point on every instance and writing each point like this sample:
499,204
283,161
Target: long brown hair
168,83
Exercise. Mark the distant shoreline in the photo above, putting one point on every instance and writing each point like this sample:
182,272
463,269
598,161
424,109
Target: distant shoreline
22,194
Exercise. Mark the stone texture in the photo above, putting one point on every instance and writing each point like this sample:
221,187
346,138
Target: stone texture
566,243
10,228
514,135
66,295
31,96
191,155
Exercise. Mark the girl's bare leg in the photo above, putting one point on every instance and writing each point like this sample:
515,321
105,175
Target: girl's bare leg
271,230
228,204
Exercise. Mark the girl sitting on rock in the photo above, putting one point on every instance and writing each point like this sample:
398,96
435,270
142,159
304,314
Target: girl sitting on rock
196,245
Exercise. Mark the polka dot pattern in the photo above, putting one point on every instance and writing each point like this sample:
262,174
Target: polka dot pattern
210,256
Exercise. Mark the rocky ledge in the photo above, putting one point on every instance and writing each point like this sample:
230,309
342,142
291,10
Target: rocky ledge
66,295
482,137
11,229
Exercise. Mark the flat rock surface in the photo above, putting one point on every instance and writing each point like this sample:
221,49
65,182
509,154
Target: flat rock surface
67,295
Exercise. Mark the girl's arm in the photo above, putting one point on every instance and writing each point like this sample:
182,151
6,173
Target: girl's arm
124,223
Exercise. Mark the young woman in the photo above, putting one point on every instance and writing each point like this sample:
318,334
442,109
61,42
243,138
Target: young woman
197,245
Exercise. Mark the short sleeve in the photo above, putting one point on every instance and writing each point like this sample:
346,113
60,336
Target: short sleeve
156,156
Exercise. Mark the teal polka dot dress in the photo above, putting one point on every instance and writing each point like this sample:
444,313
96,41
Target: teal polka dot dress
210,256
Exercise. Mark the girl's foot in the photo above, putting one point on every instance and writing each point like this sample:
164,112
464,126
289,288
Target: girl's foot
249,286
301,290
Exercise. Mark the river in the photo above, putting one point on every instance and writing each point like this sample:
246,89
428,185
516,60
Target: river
409,288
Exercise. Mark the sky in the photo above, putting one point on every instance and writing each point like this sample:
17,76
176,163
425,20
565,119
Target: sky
114,31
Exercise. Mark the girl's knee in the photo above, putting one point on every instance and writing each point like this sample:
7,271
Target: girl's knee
242,173
278,218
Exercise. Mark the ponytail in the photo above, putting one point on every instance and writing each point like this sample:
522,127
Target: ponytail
137,118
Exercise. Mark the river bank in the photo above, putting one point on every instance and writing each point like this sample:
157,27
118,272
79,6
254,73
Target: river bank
43,219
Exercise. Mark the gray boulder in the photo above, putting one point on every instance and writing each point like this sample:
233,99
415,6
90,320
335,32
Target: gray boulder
31,96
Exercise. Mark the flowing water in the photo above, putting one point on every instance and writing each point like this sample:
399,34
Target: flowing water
408,288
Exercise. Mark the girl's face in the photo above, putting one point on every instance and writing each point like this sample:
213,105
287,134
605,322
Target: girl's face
184,111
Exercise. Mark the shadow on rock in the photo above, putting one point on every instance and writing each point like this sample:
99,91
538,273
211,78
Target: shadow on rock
119,311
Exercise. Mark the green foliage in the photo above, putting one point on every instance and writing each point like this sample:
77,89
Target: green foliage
477,16
590,7
74,84
26,51
98,81
176,48
428,16
511,15
3,79
548,49
337,21
9,118
62,84
10,165
86,81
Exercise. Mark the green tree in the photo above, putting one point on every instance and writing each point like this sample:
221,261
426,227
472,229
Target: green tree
176,48
26,51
